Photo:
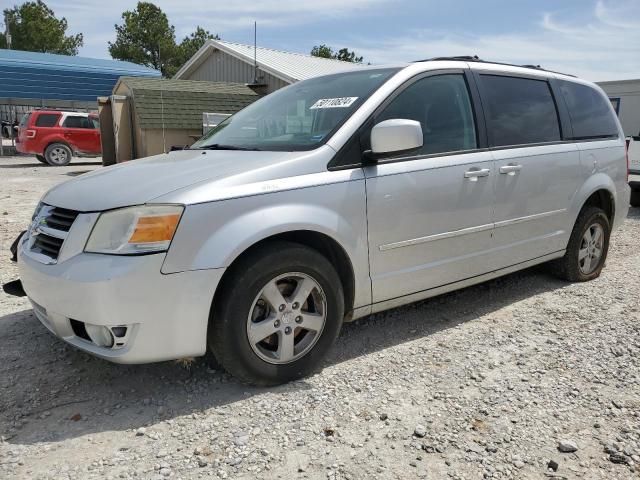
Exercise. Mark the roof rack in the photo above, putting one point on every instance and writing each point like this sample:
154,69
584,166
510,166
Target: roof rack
464,58
475,58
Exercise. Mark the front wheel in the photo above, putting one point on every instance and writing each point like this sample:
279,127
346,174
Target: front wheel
588,247
279,312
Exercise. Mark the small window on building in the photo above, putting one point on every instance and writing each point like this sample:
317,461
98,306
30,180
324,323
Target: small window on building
519,111
615,103
77,122
590,113
47,120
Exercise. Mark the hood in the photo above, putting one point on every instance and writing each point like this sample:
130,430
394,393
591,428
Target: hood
141,181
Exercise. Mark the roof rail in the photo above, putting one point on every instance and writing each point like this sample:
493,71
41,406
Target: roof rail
475,58
460,58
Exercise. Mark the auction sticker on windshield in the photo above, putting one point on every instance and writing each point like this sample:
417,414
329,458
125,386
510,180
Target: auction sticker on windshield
342,102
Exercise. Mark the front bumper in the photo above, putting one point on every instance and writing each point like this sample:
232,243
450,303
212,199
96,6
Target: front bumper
167,314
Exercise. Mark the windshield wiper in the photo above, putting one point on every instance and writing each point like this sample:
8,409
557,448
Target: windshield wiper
219,146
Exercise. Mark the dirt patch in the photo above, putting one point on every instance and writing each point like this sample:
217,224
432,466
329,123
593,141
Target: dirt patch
491,381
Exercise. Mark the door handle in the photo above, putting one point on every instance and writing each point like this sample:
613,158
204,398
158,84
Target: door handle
474,173
510,169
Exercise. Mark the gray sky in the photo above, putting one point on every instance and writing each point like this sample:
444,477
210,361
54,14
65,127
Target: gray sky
598,40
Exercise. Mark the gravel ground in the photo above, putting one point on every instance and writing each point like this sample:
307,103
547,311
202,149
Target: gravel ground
521,377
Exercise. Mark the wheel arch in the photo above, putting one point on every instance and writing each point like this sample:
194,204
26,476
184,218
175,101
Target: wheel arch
322,243
53,141
598,191
603,199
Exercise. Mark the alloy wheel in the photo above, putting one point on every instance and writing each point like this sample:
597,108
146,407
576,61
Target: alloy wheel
591,248
58,155
286,318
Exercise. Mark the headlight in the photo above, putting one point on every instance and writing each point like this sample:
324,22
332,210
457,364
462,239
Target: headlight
135,230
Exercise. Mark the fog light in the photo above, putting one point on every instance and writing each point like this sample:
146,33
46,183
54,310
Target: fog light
119,332
100,335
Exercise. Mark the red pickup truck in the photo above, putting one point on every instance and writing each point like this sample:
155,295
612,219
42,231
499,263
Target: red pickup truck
54,136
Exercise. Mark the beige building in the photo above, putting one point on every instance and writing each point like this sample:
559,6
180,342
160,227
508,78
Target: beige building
148,116
263,68
625,98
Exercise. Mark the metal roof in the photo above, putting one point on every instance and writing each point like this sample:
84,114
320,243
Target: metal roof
76,64
45,76
288,66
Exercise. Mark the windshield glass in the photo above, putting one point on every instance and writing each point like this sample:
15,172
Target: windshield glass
299,117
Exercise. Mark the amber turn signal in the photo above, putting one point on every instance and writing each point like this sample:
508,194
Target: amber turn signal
156,228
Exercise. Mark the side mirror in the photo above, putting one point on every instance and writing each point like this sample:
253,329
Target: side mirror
395,136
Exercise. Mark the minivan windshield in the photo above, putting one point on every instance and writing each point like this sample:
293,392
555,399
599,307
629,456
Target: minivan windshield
300,117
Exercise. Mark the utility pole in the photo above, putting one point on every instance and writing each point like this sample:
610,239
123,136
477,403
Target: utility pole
255,53
7,32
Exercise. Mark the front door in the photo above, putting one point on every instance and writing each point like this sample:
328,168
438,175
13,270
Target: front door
429,215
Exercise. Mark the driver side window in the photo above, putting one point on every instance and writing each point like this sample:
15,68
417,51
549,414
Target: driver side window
443,107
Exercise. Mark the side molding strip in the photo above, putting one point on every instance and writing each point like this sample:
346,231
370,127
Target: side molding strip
438,236
467,231
528,218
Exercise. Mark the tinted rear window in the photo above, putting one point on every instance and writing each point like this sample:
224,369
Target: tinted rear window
519,111
47,119
25,119
589,110
77,122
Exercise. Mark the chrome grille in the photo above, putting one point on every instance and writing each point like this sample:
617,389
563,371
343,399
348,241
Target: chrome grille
47,245
60,219
48,231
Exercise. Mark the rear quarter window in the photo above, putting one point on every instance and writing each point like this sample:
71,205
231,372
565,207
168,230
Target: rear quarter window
25,119
77,122
590,111
519,111
47,120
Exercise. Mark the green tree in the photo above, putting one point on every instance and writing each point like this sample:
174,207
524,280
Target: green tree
35,28
323,51
344,54
192,43
347,56
147,38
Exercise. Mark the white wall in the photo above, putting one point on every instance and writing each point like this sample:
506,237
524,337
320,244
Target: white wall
628,91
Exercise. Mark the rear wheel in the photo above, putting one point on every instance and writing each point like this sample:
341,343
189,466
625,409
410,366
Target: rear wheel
41,159
58,154
277,315
588,247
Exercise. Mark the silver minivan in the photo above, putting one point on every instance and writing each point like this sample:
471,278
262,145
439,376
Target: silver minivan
326,201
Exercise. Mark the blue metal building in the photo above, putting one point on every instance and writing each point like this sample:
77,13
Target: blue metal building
44,80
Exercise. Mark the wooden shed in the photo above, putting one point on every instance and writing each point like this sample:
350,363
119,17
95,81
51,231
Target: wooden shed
147,116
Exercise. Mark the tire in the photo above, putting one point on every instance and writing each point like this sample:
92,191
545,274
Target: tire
571,267
635,198
58,155
243,304
41,159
